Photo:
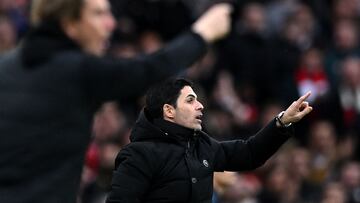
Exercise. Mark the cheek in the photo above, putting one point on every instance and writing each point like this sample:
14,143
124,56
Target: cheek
184,116
188,116
84,33
91,29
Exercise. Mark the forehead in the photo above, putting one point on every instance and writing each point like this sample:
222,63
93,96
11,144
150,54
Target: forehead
186,91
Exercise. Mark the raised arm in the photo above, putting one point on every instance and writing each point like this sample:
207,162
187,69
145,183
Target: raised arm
107,78
249,154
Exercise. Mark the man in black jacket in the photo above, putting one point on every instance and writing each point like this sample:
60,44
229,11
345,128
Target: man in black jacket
170,159
51,85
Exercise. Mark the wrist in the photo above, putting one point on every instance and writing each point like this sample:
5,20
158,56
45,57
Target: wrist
202,33
280,120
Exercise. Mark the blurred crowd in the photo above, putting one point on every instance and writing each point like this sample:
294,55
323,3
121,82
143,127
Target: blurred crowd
277,50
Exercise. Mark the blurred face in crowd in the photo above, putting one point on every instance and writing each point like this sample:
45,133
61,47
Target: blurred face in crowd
345,8
93,29
277,179
334,193
346,35
254,17
312,60
350,71
188,110
350,175
299,163
323,137
7,35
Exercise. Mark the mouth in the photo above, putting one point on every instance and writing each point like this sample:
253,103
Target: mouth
199,117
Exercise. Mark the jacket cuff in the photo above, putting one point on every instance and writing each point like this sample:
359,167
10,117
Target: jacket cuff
198,38
287,131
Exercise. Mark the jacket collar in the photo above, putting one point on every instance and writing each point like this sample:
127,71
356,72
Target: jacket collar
147,128
173,129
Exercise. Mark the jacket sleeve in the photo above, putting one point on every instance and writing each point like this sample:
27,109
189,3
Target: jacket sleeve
240,155
114,78
131,178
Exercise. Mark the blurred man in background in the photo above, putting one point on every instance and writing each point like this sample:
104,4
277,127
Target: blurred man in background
51,85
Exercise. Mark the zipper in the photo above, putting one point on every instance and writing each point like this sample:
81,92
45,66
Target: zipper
187,150
188,147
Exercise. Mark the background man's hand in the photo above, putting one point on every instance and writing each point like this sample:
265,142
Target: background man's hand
297,110
215,23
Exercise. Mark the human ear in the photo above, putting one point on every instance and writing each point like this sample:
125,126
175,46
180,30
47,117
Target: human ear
70,28
168,111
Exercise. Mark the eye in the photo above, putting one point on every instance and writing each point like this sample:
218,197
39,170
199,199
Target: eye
101,12
190,100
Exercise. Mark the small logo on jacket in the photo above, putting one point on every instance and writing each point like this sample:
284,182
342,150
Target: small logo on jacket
206,164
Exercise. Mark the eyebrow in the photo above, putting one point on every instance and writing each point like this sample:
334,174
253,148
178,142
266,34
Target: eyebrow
191,95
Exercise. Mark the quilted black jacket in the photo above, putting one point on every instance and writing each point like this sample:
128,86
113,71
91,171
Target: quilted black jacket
166,162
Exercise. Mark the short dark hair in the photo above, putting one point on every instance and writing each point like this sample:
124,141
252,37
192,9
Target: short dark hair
166,92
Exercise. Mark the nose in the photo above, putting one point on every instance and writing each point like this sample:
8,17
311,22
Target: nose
110,22
199,106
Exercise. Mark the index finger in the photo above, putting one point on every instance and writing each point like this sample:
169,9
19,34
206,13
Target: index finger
303,98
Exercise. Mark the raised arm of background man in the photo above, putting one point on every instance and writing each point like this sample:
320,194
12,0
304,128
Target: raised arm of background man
112,78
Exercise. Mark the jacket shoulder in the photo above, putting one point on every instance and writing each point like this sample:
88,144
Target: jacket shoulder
136,152
70,57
